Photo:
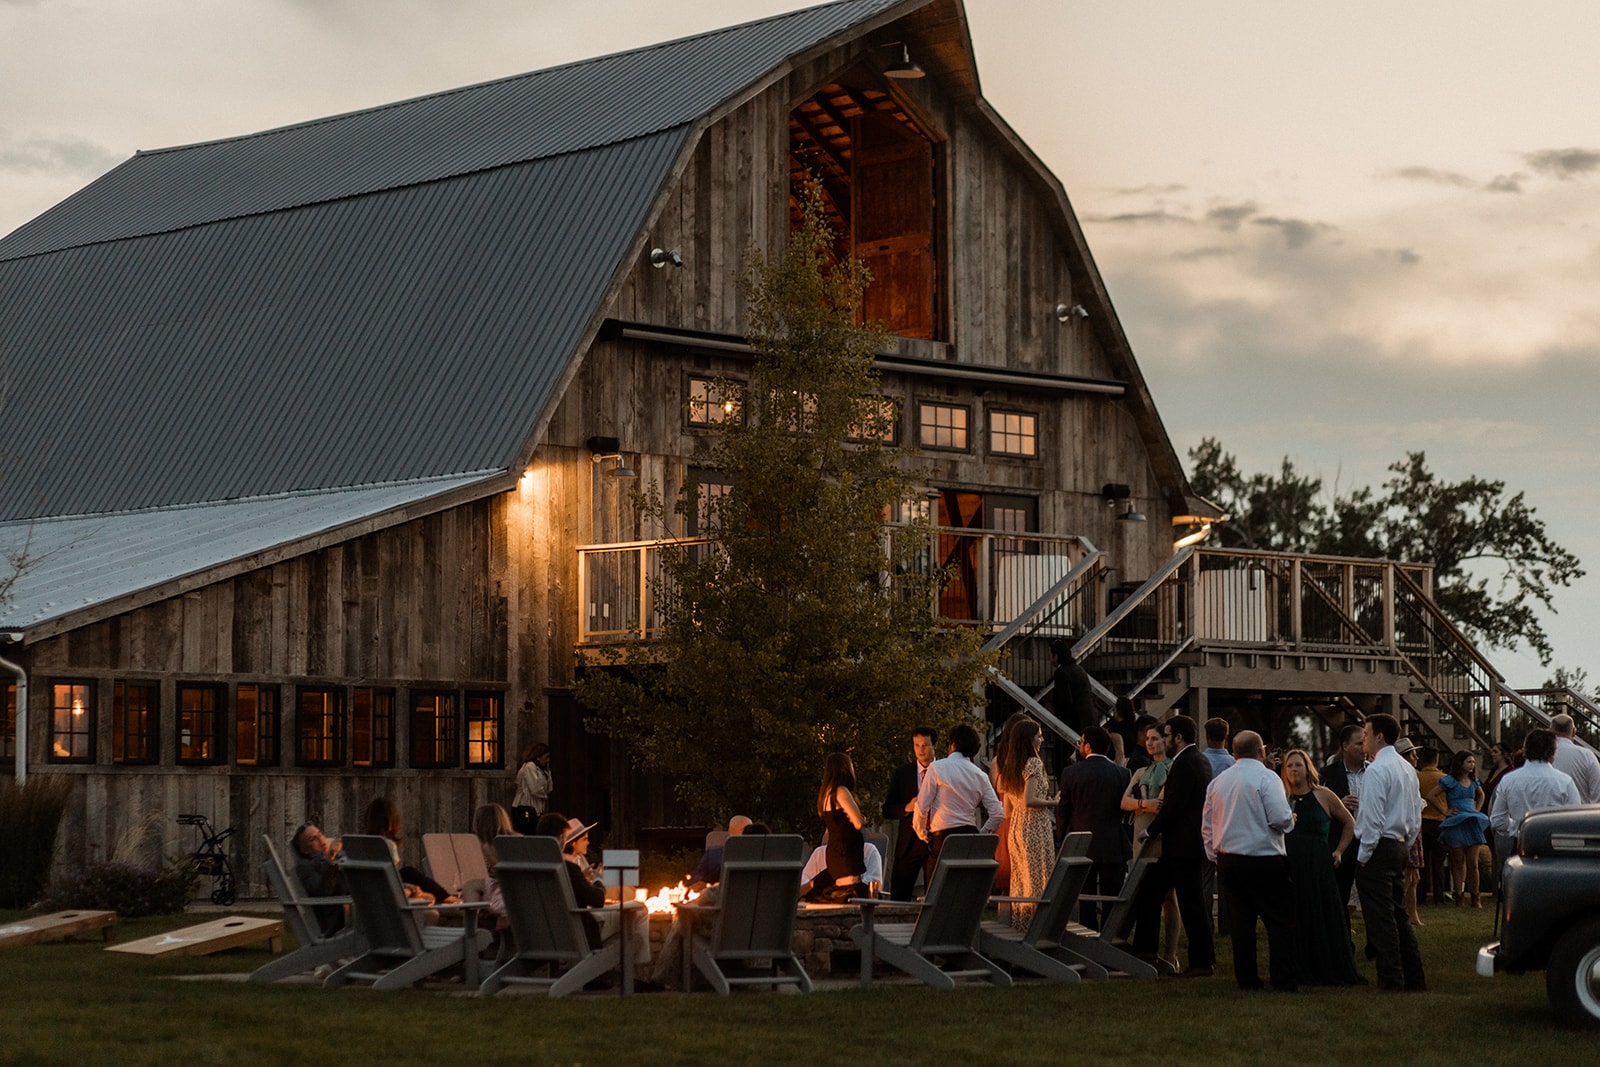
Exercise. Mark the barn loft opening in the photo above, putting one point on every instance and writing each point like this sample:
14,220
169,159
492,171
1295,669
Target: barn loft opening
877,167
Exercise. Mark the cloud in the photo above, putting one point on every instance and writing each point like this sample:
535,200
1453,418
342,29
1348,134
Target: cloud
1406,257
1506,183
1563,163
1205,252
1133,218
55,156
1297,233
1227,217
1434,176
1149,190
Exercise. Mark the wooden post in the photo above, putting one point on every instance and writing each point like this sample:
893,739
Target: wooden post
1296,622
1388,608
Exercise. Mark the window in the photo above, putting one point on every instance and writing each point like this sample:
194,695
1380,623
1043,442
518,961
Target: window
72,722
372,728
483,729
255,718
712,402
704,488
319,725
8,727
433,729
943,425
1013,433
133,722
879,421
200,723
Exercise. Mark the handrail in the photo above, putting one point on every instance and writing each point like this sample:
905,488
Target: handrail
1187,643
1456,715
1572,700
1338,610
1432,610
1021,696
1086,644
1016,625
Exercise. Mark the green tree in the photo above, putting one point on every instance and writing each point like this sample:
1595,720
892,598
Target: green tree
1494,562
799,636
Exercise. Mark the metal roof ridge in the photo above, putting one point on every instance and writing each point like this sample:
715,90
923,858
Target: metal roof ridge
442,93
288,494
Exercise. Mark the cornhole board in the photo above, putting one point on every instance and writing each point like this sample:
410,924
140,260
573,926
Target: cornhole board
57,926
214,936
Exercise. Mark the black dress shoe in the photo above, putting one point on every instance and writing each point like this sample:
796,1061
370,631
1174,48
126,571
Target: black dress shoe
1198,972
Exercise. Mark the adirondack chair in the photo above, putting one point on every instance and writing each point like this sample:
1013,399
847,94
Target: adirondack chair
453,860
947,925
1099,947
753,918
546,924
299,912
1037,949
400,951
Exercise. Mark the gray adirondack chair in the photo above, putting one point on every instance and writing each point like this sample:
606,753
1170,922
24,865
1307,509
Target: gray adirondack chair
400,951
753,918
546,923
1099,947
1038,949
947,926
453,860
299,912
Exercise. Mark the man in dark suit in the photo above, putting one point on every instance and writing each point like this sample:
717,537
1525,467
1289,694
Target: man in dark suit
1091,800
911,853
1177,824
1343,776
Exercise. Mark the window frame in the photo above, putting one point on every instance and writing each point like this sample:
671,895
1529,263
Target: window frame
216,734
87,711
715,402
335,708
150,737
495,744
266,729
447,741
1020,413
379,742
896,412
924,403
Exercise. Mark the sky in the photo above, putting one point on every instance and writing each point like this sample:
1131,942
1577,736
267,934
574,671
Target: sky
1338,233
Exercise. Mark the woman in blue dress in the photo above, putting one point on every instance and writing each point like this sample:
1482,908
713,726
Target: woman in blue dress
1462,831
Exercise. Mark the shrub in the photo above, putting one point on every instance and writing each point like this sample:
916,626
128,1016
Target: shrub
30,815
130,890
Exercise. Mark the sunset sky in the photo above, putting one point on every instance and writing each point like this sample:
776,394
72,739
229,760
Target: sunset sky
1334,232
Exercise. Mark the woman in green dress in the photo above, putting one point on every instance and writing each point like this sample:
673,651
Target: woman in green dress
1143,798
1323,954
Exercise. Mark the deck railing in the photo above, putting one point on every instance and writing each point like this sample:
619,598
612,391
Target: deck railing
996,576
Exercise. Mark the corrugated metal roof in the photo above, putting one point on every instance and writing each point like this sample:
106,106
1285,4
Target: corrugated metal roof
532,116
412,333
80,562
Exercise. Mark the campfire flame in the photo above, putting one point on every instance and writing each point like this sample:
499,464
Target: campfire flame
665,901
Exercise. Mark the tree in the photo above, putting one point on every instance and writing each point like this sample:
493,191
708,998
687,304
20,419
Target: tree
1494,563
797,636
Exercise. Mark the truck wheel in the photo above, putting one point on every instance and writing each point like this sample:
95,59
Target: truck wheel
1573,978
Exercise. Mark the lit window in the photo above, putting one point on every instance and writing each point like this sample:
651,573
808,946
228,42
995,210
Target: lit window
199,724
1013,433
712,402
705,489
256,725
133,722
879,421
942,425
72,722
483,729
433,729
319,725
372,728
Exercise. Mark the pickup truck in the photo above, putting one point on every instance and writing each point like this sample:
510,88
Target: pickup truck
1550,911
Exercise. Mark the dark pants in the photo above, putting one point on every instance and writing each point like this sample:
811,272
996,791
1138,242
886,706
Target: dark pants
1259,887
1345,874
1435,882
936,845
911,859
1105,879
1381,883
1183,876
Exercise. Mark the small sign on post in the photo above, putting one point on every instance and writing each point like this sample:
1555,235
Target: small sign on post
622,871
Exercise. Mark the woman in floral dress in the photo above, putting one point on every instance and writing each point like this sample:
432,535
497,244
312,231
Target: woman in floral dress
1025,792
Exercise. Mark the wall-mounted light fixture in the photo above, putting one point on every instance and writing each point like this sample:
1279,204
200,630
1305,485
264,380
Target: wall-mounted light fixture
660,257
602,449
1075,311
903,69
1116,494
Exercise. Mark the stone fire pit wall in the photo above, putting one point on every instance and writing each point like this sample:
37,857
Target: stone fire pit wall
820,931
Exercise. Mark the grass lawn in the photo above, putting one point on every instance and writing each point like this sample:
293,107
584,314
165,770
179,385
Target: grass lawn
73,1003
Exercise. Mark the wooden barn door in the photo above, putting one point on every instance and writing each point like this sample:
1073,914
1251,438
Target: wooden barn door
892,220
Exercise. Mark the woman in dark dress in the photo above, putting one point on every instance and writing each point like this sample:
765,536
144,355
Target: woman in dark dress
842,817
1323,953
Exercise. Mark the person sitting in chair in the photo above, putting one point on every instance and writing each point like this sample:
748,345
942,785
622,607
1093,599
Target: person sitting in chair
316,867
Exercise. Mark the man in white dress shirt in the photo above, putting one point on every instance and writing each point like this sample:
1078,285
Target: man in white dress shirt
1389,817
953,793
1535,784
1245,816
1576,762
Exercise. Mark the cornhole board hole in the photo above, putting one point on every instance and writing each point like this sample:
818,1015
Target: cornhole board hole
214,936
57,926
